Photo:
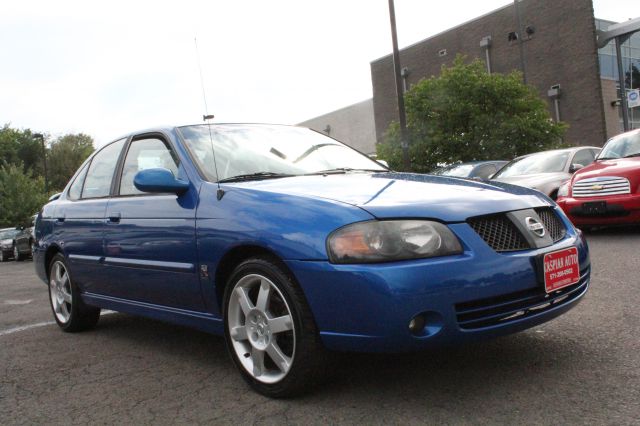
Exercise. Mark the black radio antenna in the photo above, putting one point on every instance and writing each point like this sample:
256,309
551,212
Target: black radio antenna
207,118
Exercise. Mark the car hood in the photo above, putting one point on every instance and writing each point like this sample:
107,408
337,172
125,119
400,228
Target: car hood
390,195
623,167
537,180
6,242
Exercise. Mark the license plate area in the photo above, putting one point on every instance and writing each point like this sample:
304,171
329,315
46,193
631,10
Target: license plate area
594,207
561,269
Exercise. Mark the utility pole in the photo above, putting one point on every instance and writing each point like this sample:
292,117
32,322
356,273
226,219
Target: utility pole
523,64
44,158
404,139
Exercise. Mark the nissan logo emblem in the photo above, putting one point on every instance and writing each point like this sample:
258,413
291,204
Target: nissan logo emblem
534,226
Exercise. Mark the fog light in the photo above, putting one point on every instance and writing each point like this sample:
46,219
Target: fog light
416,325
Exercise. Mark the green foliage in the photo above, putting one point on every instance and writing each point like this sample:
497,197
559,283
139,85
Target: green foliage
20,146
22,189
65,156
466,114
21,195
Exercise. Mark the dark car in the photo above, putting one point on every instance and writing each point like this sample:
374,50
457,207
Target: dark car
8,243
24,241
471,170
290,243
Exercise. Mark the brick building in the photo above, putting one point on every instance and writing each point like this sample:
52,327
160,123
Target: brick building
555,46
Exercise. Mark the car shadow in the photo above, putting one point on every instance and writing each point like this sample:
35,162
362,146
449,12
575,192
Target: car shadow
459,372
613,230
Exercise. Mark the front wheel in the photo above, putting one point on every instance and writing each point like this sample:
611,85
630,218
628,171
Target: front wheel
269,329
69,310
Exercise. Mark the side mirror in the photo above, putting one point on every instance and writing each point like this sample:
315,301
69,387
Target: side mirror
159,180
55,196
575,167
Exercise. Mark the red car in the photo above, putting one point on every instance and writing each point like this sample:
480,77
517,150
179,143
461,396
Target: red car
607,192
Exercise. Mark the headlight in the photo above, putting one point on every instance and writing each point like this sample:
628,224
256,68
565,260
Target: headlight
385,241
563,191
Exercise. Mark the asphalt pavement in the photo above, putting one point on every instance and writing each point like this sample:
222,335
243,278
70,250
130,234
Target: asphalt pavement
581,368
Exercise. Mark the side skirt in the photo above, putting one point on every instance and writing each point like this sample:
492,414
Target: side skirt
200,320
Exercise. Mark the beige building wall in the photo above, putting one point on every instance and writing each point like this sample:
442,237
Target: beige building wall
352,125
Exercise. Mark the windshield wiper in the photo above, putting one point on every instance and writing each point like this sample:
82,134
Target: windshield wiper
637,154
343,170
255,176
607,158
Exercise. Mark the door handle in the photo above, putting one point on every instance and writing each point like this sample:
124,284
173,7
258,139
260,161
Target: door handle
60,219
114,217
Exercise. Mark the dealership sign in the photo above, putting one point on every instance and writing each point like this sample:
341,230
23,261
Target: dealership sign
633,98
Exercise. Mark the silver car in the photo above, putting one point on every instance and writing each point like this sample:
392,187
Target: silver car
546,171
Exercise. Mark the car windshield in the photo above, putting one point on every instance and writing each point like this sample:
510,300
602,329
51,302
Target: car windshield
625,145
459,170
542,162
262,151
8,234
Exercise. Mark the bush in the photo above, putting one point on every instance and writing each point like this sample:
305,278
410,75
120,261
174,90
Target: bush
466,114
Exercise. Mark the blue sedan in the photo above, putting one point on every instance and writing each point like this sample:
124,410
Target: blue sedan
290,243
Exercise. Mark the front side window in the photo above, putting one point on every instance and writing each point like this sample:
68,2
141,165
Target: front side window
269,150
144,154
98,181
75,191
485,171
583,157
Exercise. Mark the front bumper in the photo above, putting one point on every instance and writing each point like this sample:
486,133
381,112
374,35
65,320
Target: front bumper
472,296
618,210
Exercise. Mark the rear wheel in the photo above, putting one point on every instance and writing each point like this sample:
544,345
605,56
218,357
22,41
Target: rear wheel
4,256
16,253
69,310
269,329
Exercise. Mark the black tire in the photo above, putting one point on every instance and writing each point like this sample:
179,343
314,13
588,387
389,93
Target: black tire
80,316
308,353
16,253
4,256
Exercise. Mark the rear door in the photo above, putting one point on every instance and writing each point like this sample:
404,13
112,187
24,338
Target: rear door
79,217
150,244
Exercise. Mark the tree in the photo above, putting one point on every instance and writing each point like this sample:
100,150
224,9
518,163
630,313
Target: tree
466,114
21,147
21,195
66,154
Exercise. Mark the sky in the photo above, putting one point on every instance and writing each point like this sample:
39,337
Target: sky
110,68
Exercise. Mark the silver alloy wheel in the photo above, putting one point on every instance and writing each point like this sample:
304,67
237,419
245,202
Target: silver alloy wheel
60,292
263,327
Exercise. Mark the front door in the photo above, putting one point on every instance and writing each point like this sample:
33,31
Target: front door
149,239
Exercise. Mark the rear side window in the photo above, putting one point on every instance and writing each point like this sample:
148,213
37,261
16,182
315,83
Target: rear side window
75,191
149,153
98,181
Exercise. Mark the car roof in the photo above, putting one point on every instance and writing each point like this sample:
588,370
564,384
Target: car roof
570,149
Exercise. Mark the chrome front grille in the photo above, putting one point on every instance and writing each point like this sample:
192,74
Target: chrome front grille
601,186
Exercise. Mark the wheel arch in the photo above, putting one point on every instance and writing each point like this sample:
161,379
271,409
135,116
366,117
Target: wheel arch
52,250
235,256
